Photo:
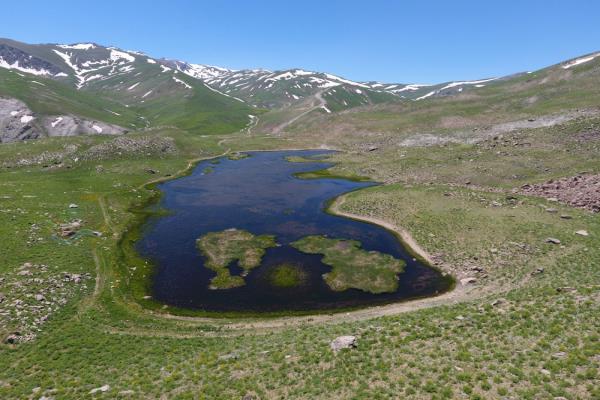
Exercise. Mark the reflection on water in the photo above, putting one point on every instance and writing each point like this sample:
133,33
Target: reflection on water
260,194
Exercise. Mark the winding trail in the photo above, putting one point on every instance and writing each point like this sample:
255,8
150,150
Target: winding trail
319,96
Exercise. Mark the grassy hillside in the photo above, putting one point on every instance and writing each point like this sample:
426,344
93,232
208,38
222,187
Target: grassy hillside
514,335
50,97
550,90
522,323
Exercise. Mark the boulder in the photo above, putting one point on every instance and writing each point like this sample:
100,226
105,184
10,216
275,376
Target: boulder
13,338
229,356
343,342
100,389
538,271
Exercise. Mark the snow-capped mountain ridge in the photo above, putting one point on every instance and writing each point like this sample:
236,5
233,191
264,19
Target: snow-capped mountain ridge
88,64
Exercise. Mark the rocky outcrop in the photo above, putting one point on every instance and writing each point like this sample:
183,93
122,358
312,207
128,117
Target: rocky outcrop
18,122
581,191
343,342
65,125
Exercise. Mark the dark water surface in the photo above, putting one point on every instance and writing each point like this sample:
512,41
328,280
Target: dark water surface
261,195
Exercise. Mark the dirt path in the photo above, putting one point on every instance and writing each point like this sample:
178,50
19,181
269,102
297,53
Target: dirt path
318,96
105,215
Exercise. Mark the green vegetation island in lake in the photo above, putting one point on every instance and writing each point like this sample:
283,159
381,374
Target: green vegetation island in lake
287,276
222,248
353,267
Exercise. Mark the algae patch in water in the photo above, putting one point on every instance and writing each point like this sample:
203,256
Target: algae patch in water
353,267
222,248
287,276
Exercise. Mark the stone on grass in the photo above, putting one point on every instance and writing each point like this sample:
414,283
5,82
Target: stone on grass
13,338
552,240
230,356
538,271
101,389
467,281
343,342
582,232
73,205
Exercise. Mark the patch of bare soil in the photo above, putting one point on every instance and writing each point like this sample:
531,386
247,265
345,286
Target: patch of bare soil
582,191
482,133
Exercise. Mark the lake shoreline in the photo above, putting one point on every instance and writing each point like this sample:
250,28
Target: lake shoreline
272,319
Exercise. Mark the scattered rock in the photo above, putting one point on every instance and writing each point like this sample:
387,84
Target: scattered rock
13,338
229,356
101,389
560,354
343,342
2,298
497,302
372,148
582,191
582,233
126,392
39,297
73,205
545,372
467,281
538,271
565,289
552,240
565,216
551,210
151,171
69,229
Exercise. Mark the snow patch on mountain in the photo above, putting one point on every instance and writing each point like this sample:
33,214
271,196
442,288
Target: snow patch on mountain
83,71
181,82
15,65
78,46
580,61
454,84
57,121
346,81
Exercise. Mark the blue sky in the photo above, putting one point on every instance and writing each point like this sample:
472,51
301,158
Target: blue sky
391,41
